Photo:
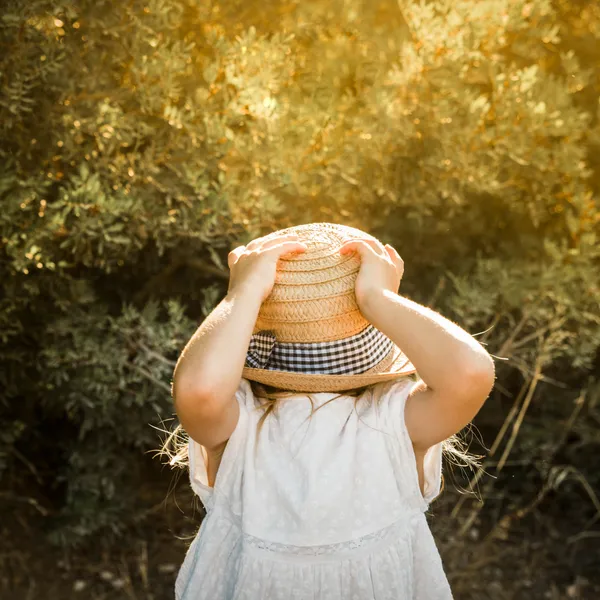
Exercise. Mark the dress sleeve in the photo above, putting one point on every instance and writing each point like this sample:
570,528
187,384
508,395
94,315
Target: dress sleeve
197,456
394,400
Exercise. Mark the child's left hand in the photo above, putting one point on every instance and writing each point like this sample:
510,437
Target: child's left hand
381,269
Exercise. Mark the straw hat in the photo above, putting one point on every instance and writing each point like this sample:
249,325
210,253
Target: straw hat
310,335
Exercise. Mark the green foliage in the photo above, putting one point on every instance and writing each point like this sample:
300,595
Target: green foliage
108,376
139,145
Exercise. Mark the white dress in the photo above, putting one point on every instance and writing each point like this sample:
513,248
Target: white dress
322,508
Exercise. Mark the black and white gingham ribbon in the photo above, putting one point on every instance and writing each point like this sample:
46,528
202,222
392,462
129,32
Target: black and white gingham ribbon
350,356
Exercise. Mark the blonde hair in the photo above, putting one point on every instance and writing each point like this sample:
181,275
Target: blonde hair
175,446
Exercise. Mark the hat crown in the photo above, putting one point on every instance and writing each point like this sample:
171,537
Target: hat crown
313,298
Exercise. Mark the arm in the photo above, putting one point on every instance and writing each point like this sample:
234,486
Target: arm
437,347
210,367
457,372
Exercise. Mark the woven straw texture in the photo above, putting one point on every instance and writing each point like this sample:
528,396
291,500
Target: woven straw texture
313,297
313,300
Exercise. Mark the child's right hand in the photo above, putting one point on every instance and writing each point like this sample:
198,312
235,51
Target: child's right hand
253,267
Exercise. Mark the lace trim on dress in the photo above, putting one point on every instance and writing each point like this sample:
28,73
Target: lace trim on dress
366,542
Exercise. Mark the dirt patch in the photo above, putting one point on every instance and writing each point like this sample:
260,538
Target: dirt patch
140,565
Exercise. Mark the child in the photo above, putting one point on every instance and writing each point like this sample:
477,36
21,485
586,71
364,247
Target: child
320,491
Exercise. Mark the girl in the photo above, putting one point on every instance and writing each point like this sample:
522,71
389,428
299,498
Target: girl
314,450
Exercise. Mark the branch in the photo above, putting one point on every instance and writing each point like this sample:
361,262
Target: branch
151,377
521,416
153,354
44,511
514,333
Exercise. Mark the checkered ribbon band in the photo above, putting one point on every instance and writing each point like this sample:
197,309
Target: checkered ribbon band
350,356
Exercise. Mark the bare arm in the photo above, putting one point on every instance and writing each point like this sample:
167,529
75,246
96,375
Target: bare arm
457,372
210,367
441,351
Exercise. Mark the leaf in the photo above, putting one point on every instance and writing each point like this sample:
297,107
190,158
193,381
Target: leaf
210,73
215,258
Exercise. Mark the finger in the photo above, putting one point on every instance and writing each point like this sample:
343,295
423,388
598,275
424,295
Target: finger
395,258
234,255
394,254
286,248
279,240
360,246
261,242
375,244
255,243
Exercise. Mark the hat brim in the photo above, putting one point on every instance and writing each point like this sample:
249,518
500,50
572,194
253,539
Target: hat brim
399,367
